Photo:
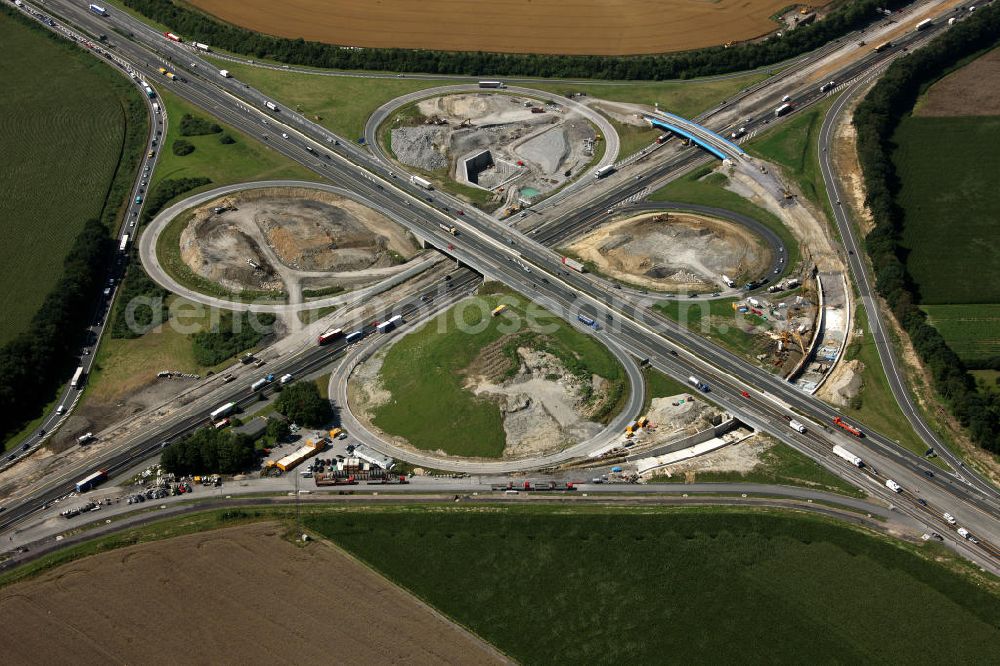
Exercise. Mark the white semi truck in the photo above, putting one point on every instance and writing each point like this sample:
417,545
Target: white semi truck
841,452
421,182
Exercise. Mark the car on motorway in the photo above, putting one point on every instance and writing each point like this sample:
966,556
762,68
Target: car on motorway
138,199
744,394
284,136
150,154
922,502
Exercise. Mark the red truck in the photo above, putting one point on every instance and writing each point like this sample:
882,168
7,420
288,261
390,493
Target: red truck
837,421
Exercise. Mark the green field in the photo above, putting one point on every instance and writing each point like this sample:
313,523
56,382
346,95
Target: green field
685,98
246,160
425,373
949,169
708,189
972,331
63,130
654,585
794,145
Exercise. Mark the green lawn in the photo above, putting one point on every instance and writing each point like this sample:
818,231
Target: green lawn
633,138
949,170
64,131
706,188
248,159
972,331
659,385
794,145
780,464
718,321
124,366
425,373
343,104
654,585
684,98
875,405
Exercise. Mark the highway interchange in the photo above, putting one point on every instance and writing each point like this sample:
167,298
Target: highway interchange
497,252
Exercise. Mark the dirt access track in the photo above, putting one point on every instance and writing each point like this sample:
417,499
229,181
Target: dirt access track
240,595
674,251
597,27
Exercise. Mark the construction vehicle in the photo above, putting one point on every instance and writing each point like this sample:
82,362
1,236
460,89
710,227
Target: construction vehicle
841,423
497,310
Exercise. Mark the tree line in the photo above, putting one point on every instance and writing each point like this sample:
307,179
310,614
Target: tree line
36,362
198,26
209,451
876,119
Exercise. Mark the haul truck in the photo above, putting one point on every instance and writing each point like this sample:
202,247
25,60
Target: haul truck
88,482
101,11
492,84
841,423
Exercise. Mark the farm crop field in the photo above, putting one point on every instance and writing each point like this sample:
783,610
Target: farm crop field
596,27
61,143
949,169
551,585
53,615
972,331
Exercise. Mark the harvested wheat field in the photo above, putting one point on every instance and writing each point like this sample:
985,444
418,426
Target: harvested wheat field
239,595
598,27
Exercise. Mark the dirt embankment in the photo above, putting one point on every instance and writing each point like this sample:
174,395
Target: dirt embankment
674,251
260,239
544,408
239,595
518,147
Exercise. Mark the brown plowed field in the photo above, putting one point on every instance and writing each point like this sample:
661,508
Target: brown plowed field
241,595
973,90
599,27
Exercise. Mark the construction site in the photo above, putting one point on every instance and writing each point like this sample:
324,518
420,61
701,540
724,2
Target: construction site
285,239
513,148
674,251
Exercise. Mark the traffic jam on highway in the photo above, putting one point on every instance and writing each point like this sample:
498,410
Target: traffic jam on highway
491,249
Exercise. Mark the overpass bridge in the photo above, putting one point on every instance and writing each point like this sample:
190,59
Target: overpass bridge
715,144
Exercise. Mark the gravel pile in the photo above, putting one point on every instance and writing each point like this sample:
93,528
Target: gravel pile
419,147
